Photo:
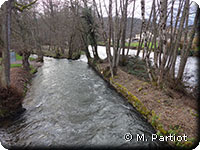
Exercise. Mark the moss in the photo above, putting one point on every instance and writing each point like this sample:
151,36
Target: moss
193,113
32,59
140,89
107,73
158,101
3,112
144,83
76,55
33,70
162,130
154,83
151,116
131,98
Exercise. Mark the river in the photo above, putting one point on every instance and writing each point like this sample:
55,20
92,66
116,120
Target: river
69,105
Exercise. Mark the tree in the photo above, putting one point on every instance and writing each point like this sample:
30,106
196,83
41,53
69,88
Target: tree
91,29
37,35
145,53
131,32
186,49
124,28
5,27
23,41
6,38
166,39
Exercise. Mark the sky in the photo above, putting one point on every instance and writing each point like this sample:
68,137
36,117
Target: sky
137,6
138,11
197,1
148,4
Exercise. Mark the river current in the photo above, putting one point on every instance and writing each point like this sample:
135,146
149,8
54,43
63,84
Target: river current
69,105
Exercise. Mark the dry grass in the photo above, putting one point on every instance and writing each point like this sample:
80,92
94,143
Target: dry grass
173,108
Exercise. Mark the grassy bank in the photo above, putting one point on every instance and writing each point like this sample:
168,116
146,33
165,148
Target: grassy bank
18,59
166,114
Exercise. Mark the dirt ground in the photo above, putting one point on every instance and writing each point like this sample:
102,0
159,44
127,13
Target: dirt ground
19,77
11,98
174,109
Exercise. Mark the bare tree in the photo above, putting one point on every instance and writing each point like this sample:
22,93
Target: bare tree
131,32
6,32
166,40
186,49
163,40
6,37
124,20
23,36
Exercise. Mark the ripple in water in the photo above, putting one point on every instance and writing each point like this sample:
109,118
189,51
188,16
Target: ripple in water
69,105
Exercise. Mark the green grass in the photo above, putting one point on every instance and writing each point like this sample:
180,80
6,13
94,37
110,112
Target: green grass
15,65
18,57
33,69
32,59
82,53
133,44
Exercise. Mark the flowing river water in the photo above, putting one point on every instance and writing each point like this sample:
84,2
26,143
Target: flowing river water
68,104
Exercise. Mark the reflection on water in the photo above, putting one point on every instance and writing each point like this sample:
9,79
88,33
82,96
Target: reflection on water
69,105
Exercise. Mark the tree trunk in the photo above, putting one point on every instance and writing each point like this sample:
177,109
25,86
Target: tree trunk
87,53
70,47
5,76
96,52
131,32
124,31
40,56
109,38
85,45
176,44
37,39
189,45
25,62
145,41
163,4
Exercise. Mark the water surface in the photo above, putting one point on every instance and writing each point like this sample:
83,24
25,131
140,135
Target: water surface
69,105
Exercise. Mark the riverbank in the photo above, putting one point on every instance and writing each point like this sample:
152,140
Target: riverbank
11,99
169,112
58,54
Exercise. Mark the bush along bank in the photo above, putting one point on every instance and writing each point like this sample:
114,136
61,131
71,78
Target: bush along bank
11,98
150,114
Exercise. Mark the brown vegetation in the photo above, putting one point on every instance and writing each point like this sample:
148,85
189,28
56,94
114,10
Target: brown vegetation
11,98
172,108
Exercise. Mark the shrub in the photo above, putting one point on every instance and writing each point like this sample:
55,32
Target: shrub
10,101
137,67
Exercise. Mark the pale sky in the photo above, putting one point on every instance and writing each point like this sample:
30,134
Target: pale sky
197,1
148,4
138,7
